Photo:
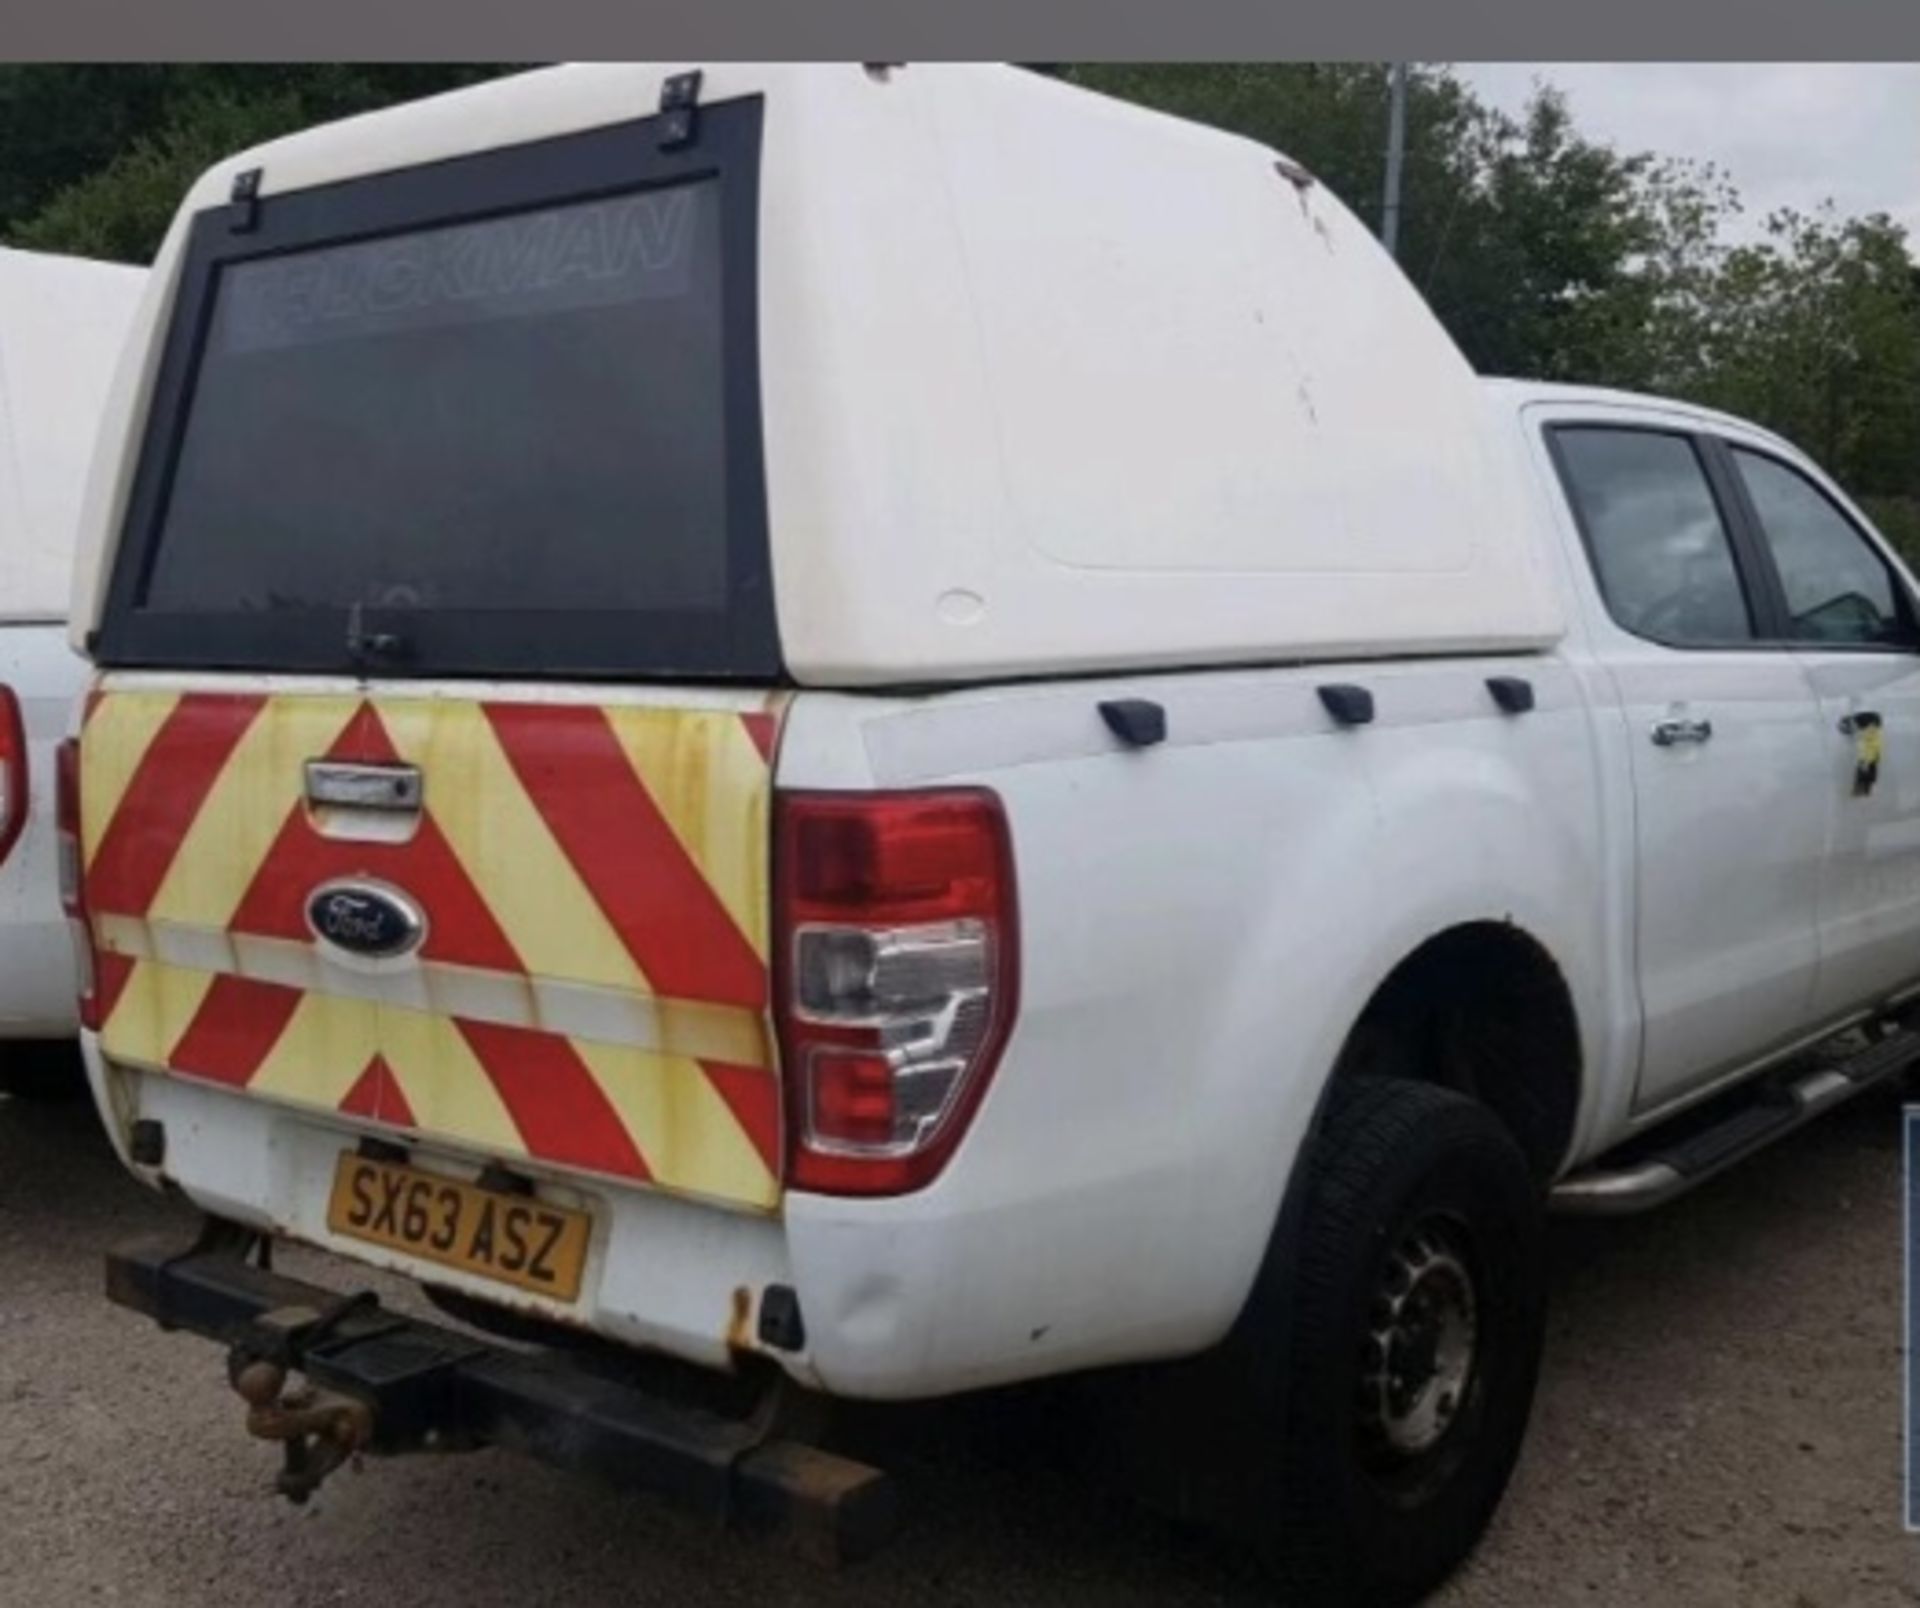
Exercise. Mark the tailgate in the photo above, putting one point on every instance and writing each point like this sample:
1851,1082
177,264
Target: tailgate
557,955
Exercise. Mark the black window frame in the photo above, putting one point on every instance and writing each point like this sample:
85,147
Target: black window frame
1763,606
1723,449
617,159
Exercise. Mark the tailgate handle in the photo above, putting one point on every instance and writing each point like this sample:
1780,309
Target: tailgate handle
363,787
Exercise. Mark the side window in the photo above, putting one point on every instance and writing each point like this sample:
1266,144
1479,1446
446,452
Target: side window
1838,587
1659,547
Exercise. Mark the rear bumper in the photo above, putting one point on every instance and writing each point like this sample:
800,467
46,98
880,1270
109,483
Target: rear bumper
663,1273
424,1385
993,1275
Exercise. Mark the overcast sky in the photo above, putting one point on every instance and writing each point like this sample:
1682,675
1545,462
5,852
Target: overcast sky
1786,135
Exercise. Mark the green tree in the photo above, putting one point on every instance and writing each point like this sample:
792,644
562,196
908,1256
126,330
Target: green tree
1541,277
94,159
1816,328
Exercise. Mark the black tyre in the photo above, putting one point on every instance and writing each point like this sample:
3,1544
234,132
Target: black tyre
1396,1388
44,1072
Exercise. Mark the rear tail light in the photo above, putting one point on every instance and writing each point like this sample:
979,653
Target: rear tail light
13,772
897,979
66,820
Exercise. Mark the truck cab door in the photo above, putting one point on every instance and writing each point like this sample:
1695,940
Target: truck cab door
1730,762
1850,613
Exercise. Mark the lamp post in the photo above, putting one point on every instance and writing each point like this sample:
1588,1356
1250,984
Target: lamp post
1396,150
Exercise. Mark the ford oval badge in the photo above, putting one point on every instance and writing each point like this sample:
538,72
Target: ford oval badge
366,919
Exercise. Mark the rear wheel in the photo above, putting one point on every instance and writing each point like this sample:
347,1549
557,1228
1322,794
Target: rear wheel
1395,1391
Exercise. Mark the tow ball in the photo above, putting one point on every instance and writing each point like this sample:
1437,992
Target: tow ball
317,1430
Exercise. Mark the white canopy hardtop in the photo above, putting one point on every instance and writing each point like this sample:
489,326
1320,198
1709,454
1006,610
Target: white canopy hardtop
1051,384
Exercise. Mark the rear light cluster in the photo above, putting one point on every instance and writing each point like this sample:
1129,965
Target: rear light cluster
897,979
13,772
66,820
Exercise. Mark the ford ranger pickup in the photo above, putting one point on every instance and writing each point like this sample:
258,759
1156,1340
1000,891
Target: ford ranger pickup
858,732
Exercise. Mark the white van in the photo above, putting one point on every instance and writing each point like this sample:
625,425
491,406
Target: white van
62,324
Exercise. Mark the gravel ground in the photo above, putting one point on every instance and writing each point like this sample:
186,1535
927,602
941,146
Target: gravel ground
1718,1424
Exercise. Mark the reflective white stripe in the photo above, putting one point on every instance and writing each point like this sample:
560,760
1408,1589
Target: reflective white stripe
123,935
576,1010
206,949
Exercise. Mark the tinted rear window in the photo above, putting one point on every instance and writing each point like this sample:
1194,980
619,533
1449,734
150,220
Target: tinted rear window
505,443
466,417
1661,551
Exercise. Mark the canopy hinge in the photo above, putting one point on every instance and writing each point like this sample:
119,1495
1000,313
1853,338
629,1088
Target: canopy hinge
245,197
679,110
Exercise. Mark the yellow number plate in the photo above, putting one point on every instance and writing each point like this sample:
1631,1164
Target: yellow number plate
514,1239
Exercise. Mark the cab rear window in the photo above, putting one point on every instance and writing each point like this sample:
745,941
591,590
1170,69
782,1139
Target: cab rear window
496,416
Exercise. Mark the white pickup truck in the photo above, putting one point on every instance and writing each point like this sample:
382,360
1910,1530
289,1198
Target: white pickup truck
883,730
62,320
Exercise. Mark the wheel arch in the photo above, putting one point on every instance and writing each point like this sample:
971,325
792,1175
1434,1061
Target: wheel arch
1482,1007
1500,953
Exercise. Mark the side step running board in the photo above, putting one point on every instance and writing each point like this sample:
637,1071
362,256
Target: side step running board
1618,1187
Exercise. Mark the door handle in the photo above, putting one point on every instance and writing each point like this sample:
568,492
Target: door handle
363,787
1667,733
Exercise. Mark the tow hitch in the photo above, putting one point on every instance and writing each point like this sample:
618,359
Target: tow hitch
318,1430
382,1384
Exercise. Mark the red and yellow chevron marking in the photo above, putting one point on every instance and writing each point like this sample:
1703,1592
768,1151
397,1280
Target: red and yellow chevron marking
592,988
